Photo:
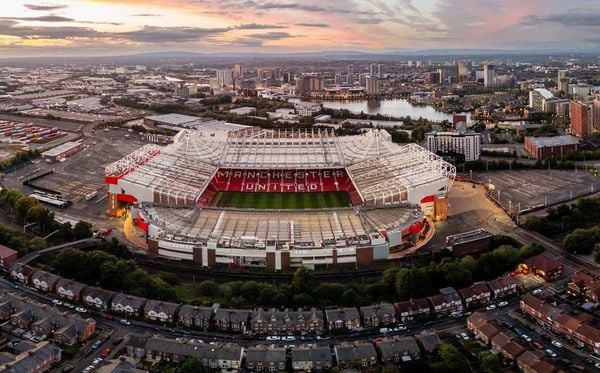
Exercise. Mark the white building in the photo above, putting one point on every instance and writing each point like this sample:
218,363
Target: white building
538,98
307,109
372,86
467,144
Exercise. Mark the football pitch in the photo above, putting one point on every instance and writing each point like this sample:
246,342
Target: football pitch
267,201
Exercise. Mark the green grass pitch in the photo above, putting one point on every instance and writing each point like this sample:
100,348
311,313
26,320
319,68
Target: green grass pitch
279,201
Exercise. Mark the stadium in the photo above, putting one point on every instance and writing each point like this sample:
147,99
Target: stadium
232,195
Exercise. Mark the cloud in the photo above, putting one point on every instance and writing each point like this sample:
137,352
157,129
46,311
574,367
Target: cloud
11,28
154,34
570,18
318,25
145,15
54,18
275,35
368,21
44,7
257,26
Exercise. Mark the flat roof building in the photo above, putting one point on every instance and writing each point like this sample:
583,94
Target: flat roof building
551,147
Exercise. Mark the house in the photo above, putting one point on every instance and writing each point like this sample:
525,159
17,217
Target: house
503,287
543,312
198,317
398,350
40,359
287,321
69,289
44,281
527,360
428,341
482,326
343,318
506,346
543,266
97,298
21,273
8,258
355,355
156,310
476,295
446,303
585,286
127,304
266,359
313,359
214,356
232,320
379,314
414,309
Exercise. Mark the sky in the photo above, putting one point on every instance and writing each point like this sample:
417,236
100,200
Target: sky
118,27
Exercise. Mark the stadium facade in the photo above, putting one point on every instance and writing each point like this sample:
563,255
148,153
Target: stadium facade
172,193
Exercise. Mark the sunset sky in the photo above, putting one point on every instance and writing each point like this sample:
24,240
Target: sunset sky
111,27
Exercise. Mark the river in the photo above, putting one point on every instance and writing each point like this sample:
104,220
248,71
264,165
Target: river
393,107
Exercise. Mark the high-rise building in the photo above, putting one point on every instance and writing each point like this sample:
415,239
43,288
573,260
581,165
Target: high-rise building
488,75
380,71
372,85
463,68
238,71
224,77
538,98
467,144
372,70
582,118
441,76
562,75
185,91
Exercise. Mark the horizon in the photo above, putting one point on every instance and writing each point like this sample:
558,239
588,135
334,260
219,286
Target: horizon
84,28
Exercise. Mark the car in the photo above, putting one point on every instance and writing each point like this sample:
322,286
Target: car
557,344
536,291
518,331
507,325
269,338
57,302
106,352
578,367
96,344
81,309
125,322
15,286
68,305
400,328
289,338
503,304
526,337
465,336
537,345
88,369
97,361
550,352
490,307
384,330
597,365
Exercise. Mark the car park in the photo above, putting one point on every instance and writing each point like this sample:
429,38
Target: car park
490,307
550,352
557,344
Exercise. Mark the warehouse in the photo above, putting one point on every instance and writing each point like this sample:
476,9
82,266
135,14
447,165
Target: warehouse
554,147
63,151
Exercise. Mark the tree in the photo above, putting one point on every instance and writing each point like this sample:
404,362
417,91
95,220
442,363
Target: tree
581,241
301,282
412,283
451,359
488,362
82,230
597,252
37,243
23,204
191,365
208,288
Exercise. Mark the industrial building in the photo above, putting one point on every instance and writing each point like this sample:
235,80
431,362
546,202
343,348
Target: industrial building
554,147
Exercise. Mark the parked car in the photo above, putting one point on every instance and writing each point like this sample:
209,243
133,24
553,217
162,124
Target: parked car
578,367
550,352
536,291
490,307
526,337
537,345
96,344
557,344
503,304
125,322
106,352
465,336
57,302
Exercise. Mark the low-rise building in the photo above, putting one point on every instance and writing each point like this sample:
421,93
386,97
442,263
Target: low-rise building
413,309
156,310
585,286
507,346
232,320
542,265
476,295
21,272
69,289
127,304
343,318
8,257
503,287
398,350
446,303
428,341
379,314
40,359
97,298
199,317
554,147
287,321
44,281
312,359
266,358
355,355
482,326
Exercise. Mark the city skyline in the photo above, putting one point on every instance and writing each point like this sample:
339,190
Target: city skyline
109,27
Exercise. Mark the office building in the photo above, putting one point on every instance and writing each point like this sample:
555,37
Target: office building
582,119
308,84
489,75
380,71
224,77
441,76
372,70
372,86
464,146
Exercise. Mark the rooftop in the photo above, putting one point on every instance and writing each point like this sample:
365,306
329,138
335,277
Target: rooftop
553,141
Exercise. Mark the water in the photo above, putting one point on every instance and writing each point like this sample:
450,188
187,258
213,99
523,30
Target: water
394,107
